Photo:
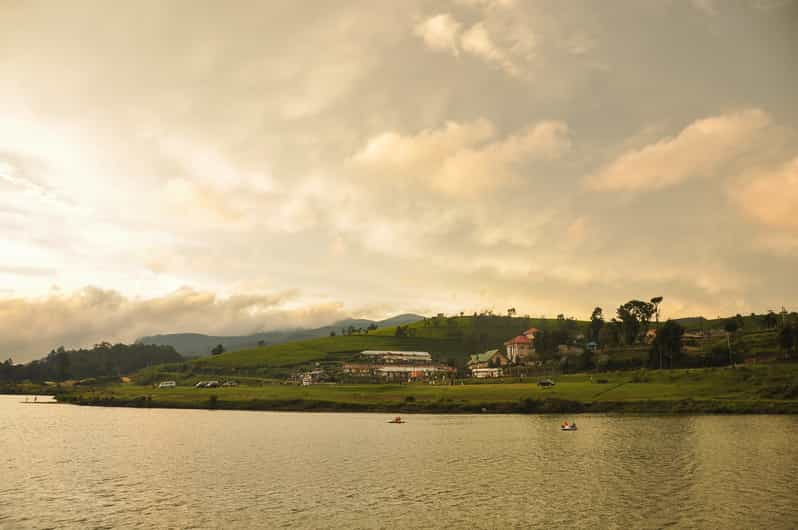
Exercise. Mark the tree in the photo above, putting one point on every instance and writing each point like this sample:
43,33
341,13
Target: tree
771,320
731,326
610,334
332,333
634,317
596,323
788,338
668,342
62,365
511,312
740,321
217,350
656,301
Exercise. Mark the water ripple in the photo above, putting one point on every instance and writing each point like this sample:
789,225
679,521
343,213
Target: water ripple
73,467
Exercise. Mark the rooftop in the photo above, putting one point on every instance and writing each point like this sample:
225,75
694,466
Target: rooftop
482,357
380,353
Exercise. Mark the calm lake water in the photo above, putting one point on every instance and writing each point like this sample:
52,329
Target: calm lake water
65,466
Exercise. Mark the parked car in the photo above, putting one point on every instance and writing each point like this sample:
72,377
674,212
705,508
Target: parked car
545,383
212,384
167,384
201,384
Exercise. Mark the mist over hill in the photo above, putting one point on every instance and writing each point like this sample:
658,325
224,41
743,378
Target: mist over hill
198,344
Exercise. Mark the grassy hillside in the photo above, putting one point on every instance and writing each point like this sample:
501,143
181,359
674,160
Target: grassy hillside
447,339
451,340
197,344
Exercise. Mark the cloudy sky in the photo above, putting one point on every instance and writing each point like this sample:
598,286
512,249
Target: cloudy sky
229,167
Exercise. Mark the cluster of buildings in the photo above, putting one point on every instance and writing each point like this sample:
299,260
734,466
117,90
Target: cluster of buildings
397,365
517,350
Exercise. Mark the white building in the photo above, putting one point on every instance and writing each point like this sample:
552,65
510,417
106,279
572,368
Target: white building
387,356
483,373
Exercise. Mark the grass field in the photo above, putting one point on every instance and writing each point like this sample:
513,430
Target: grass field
771,388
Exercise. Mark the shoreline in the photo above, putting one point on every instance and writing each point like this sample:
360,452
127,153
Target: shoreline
528,406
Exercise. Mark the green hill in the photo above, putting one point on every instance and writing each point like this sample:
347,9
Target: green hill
449,340
198,344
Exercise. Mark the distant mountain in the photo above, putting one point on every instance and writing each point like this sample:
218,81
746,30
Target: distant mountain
197,344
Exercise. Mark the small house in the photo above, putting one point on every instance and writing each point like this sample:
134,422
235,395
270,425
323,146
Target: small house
488,359
519,349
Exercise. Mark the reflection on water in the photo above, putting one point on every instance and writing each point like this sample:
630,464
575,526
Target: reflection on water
66,466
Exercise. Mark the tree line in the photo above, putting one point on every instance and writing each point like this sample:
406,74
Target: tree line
102,360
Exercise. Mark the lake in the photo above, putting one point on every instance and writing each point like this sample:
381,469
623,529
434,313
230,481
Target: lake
65,466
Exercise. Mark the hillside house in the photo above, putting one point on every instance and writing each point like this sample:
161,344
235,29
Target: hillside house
519,349
531,334
488,359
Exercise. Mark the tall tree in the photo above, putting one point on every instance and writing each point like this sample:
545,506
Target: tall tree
668,342
634,316
731,326
788,338
596,323
656,301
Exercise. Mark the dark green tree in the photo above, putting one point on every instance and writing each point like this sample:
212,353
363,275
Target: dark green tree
634,317
217,350
668,343
788,338
731,326
596,323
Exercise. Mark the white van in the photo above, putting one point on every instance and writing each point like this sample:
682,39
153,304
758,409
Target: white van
167,384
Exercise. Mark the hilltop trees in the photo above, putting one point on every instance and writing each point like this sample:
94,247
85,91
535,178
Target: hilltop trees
668,342
788,338
596,323
656,301
217,350
731,326
634,317
102,360
610,333
771,320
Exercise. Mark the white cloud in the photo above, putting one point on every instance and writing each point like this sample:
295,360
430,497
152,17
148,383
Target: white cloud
518,42
770,196
440,32
478,42
30,327
700,149
462,158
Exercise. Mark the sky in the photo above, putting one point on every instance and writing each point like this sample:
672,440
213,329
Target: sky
233,167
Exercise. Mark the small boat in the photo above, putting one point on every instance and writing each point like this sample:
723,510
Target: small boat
397,420
568,426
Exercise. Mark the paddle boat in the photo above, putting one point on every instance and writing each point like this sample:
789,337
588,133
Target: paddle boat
568,426
397,419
